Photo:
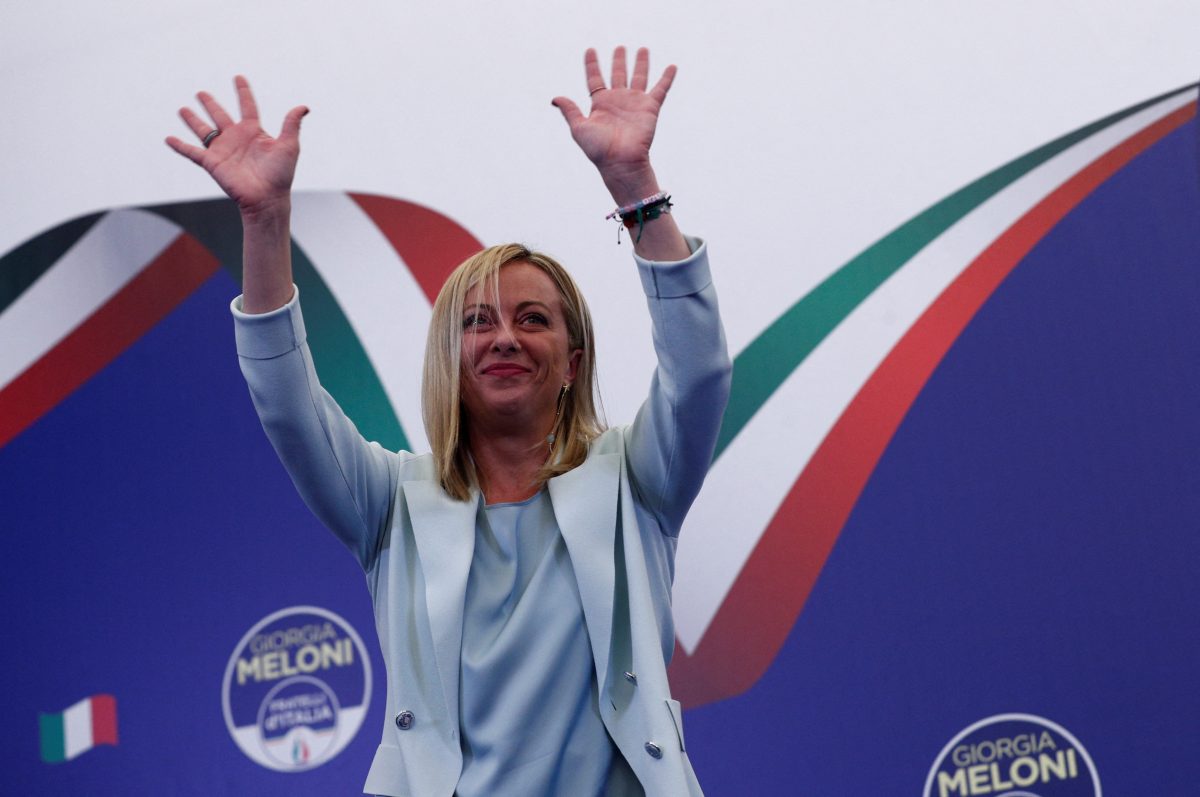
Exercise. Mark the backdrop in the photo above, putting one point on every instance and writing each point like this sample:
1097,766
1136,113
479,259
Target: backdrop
947,540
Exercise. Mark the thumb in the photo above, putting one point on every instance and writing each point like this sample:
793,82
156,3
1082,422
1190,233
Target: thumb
570,111
291,123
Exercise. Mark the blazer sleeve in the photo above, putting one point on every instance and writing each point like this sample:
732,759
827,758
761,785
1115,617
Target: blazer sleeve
670,444
347,482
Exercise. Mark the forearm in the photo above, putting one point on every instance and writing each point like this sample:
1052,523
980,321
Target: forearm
267,257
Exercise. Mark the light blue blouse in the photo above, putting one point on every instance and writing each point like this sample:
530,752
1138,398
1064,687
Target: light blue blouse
540,733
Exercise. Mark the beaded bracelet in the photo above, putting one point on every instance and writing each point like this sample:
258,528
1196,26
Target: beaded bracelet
640,212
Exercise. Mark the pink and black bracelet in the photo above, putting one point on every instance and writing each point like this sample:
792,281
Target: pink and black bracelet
640,212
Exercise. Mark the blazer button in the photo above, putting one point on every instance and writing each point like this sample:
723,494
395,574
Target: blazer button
631,678
405,719
653,750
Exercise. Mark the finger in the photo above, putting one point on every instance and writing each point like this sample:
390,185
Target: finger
193,153
570,111
659,92
215,110
197,125
619,78
246,103
641,70
591,68
291,123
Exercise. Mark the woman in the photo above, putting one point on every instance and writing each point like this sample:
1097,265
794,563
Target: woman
521,572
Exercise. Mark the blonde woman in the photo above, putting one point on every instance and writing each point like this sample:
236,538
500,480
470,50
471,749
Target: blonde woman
521,572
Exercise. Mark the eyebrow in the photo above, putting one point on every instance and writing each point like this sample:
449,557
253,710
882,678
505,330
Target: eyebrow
477,306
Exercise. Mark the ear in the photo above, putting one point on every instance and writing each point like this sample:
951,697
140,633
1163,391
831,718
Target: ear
573,365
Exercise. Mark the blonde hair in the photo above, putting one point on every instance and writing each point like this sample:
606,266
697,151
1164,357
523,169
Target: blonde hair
441,403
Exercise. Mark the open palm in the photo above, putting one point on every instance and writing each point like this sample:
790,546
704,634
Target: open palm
617,133
251,167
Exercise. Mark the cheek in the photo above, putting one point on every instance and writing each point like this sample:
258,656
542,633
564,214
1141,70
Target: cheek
472,348
466,365
562,354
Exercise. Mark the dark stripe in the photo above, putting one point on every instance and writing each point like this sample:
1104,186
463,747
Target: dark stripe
346,371
115,326
21,267
53,738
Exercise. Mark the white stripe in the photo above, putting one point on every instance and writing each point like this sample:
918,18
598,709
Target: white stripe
762,463
77,728
115,250
379,295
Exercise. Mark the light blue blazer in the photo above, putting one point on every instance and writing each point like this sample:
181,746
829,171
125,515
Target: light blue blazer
620,513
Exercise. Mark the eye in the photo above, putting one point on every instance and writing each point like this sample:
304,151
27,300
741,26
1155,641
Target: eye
536,319
476,320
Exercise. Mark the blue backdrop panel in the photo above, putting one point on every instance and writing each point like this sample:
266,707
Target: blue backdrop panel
1028,541
152,528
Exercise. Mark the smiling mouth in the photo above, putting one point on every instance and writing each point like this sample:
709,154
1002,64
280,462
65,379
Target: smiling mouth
504,370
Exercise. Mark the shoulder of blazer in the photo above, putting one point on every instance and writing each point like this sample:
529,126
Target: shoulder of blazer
610,441
418,467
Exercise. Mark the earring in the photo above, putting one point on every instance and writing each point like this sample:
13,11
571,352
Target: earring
562,397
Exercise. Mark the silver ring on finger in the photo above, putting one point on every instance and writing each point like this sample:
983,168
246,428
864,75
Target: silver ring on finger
593,91
207,140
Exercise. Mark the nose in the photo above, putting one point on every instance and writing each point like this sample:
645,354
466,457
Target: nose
505,339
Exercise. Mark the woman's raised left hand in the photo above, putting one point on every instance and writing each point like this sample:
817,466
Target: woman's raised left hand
616,134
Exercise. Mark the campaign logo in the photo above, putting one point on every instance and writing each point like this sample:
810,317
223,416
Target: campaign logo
1013,755
296,688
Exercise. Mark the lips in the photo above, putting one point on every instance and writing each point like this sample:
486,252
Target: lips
504,369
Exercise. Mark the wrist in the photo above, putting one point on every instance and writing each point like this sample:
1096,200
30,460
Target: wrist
629,185
268,213
636,215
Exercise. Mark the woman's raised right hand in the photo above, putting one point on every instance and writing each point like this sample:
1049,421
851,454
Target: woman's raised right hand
253,168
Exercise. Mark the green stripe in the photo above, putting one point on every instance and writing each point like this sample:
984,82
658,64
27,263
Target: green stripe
21,267
342,361
54,743
762,366
340,358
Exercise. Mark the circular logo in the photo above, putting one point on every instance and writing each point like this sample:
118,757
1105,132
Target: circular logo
1013,755
296,688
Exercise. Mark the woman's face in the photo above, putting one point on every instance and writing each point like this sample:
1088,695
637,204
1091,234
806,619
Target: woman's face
516,356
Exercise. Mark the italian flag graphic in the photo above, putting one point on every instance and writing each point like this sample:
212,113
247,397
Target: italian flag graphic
81,727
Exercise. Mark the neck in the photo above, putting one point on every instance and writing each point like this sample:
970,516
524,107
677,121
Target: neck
507,464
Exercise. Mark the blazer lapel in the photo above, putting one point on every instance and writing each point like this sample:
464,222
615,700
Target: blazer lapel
585,505
444,530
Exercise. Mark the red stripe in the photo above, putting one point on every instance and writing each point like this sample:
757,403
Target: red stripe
177,271
430,244
761,608
104,719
